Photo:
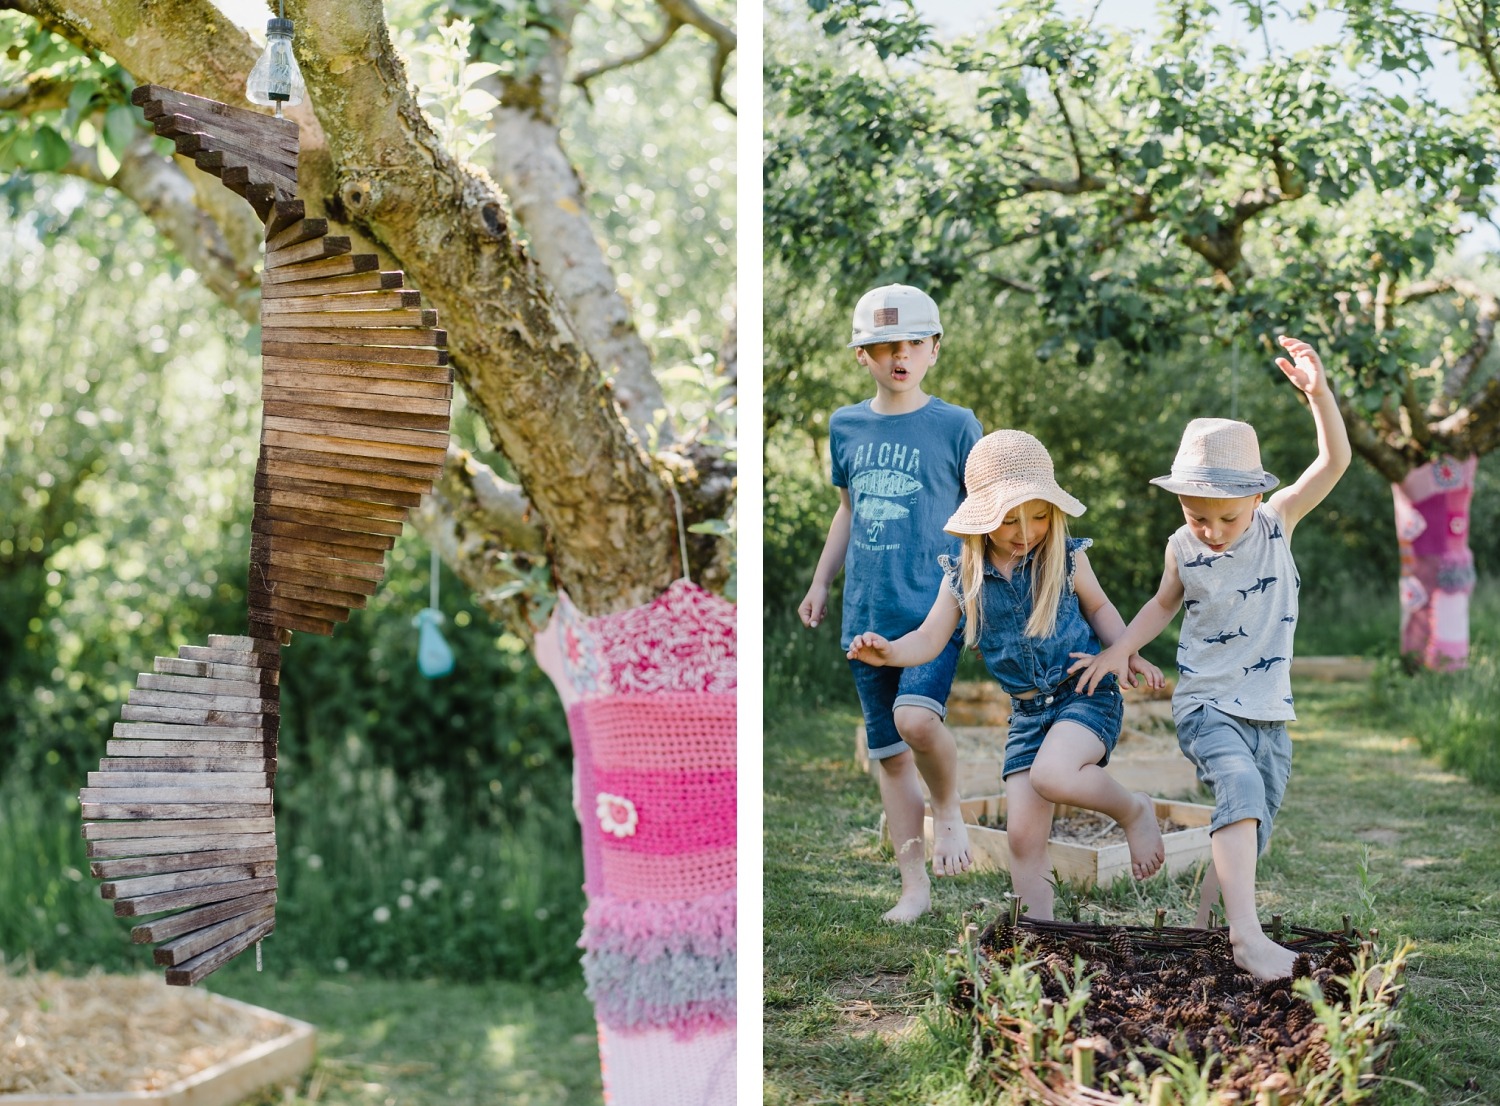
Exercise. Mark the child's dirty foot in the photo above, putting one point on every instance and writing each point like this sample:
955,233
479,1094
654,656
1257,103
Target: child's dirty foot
1262,957
911,906
1144,837
950,844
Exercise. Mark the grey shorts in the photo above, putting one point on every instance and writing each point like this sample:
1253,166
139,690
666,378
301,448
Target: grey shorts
1245,763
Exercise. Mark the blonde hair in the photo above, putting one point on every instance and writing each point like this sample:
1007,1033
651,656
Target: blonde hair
1048,578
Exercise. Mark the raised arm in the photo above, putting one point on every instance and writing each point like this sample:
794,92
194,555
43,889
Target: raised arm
918,647
1143,629
814,606
1306,371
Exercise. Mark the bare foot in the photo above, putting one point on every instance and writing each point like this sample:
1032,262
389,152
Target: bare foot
1260,956
1144,836
911,906
950,843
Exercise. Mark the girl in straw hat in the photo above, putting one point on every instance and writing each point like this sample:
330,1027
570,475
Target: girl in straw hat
1029,601
1231,566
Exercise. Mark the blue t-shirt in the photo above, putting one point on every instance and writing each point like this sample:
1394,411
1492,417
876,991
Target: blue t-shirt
905,476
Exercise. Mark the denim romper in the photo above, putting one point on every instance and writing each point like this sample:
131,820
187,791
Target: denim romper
1021,663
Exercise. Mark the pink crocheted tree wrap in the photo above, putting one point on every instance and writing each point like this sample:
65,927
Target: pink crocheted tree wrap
650,696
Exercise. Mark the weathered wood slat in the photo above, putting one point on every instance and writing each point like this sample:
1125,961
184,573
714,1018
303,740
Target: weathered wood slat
300,231
325,530
357,337
305,377
257,763
200,967
344,591
255,180
373,355
181,862
237,167
144,811
291,554
191,896
315,546
322,471
329,267
175,797
221,115
279,606
289,621
217,655
345,430
166,731
180,881
203,940
414,460
330,245
185,748
297,597
375,281
175,779
283,214
182,700
423,317
193,135
336,303
170,846
355,373
134,713
201,685
176,666
274,483
116,831
189,920
373,518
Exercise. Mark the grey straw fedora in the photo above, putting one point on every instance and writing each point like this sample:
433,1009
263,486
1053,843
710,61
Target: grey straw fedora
1006,469
1218,459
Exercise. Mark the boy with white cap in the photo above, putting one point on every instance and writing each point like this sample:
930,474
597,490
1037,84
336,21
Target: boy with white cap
1231,566
898,463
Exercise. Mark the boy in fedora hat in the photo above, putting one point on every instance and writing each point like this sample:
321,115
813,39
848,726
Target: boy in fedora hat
898,463
1028,601
1231,566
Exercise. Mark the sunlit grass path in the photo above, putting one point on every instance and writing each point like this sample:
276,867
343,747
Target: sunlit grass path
844,992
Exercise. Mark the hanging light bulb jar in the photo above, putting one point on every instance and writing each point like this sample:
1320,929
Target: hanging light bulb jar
276,80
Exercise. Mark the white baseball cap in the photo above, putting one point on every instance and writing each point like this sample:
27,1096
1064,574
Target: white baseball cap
894,313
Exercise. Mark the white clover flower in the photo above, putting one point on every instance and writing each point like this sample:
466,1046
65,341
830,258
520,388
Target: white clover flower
616,814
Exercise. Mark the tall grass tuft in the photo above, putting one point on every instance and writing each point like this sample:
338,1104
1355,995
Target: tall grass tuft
378,874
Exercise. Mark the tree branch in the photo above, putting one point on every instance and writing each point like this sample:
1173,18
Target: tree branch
37,94
648,48
687,11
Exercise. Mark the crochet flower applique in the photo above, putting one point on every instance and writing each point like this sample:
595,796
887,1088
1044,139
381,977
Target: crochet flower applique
616,814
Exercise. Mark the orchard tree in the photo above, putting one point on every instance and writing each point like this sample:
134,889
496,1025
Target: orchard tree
1174,194
544,346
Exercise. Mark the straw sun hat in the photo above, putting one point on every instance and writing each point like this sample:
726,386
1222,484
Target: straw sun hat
1004,470
1218,459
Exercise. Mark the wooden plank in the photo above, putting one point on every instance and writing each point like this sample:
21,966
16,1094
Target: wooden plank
200,967
298,622
193,135
403,300
310,572
277,403
276,344
275,483
324,472
196,943
370,336
258,763
302,555
257,180
330,454
305,376
319,249
257,658
180,862
189,920
304,542
153,810
355,401
283,215
415,460
134,713
375,281
344,430
164,731
221,114
279,604
352,373
182,700
300,231
296,596
237,167
369,545
418,317
174,779
185,748
176,666
315,510
191,896
179,881
199,685
175,796
167,846
115,831
330,267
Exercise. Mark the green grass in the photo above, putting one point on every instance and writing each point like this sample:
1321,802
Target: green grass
1371,827
426,1043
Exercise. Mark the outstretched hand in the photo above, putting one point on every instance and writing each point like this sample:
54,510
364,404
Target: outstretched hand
1095,668
1305,370
871,648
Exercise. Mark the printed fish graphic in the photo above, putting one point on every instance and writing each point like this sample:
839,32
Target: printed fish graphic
1260,585
1264,664
1205,560
1186,670
1275,530
1289,618
1220,639
1189,604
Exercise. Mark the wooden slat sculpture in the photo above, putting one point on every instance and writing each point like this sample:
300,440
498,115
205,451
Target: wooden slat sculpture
356,391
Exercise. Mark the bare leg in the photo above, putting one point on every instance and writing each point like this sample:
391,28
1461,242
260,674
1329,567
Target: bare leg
1208,897
1028,823
936,755
1234,849
1067,771
901,795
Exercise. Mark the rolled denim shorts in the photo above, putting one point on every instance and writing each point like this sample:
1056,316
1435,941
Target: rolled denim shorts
883,689
1246,763
1031,719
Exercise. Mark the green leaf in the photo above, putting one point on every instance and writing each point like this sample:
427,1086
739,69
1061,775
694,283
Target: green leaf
119,128
50,150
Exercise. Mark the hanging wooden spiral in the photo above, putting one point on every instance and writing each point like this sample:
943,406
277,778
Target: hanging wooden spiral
357,392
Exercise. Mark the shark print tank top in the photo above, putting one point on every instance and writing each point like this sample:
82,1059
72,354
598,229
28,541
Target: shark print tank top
1240,612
